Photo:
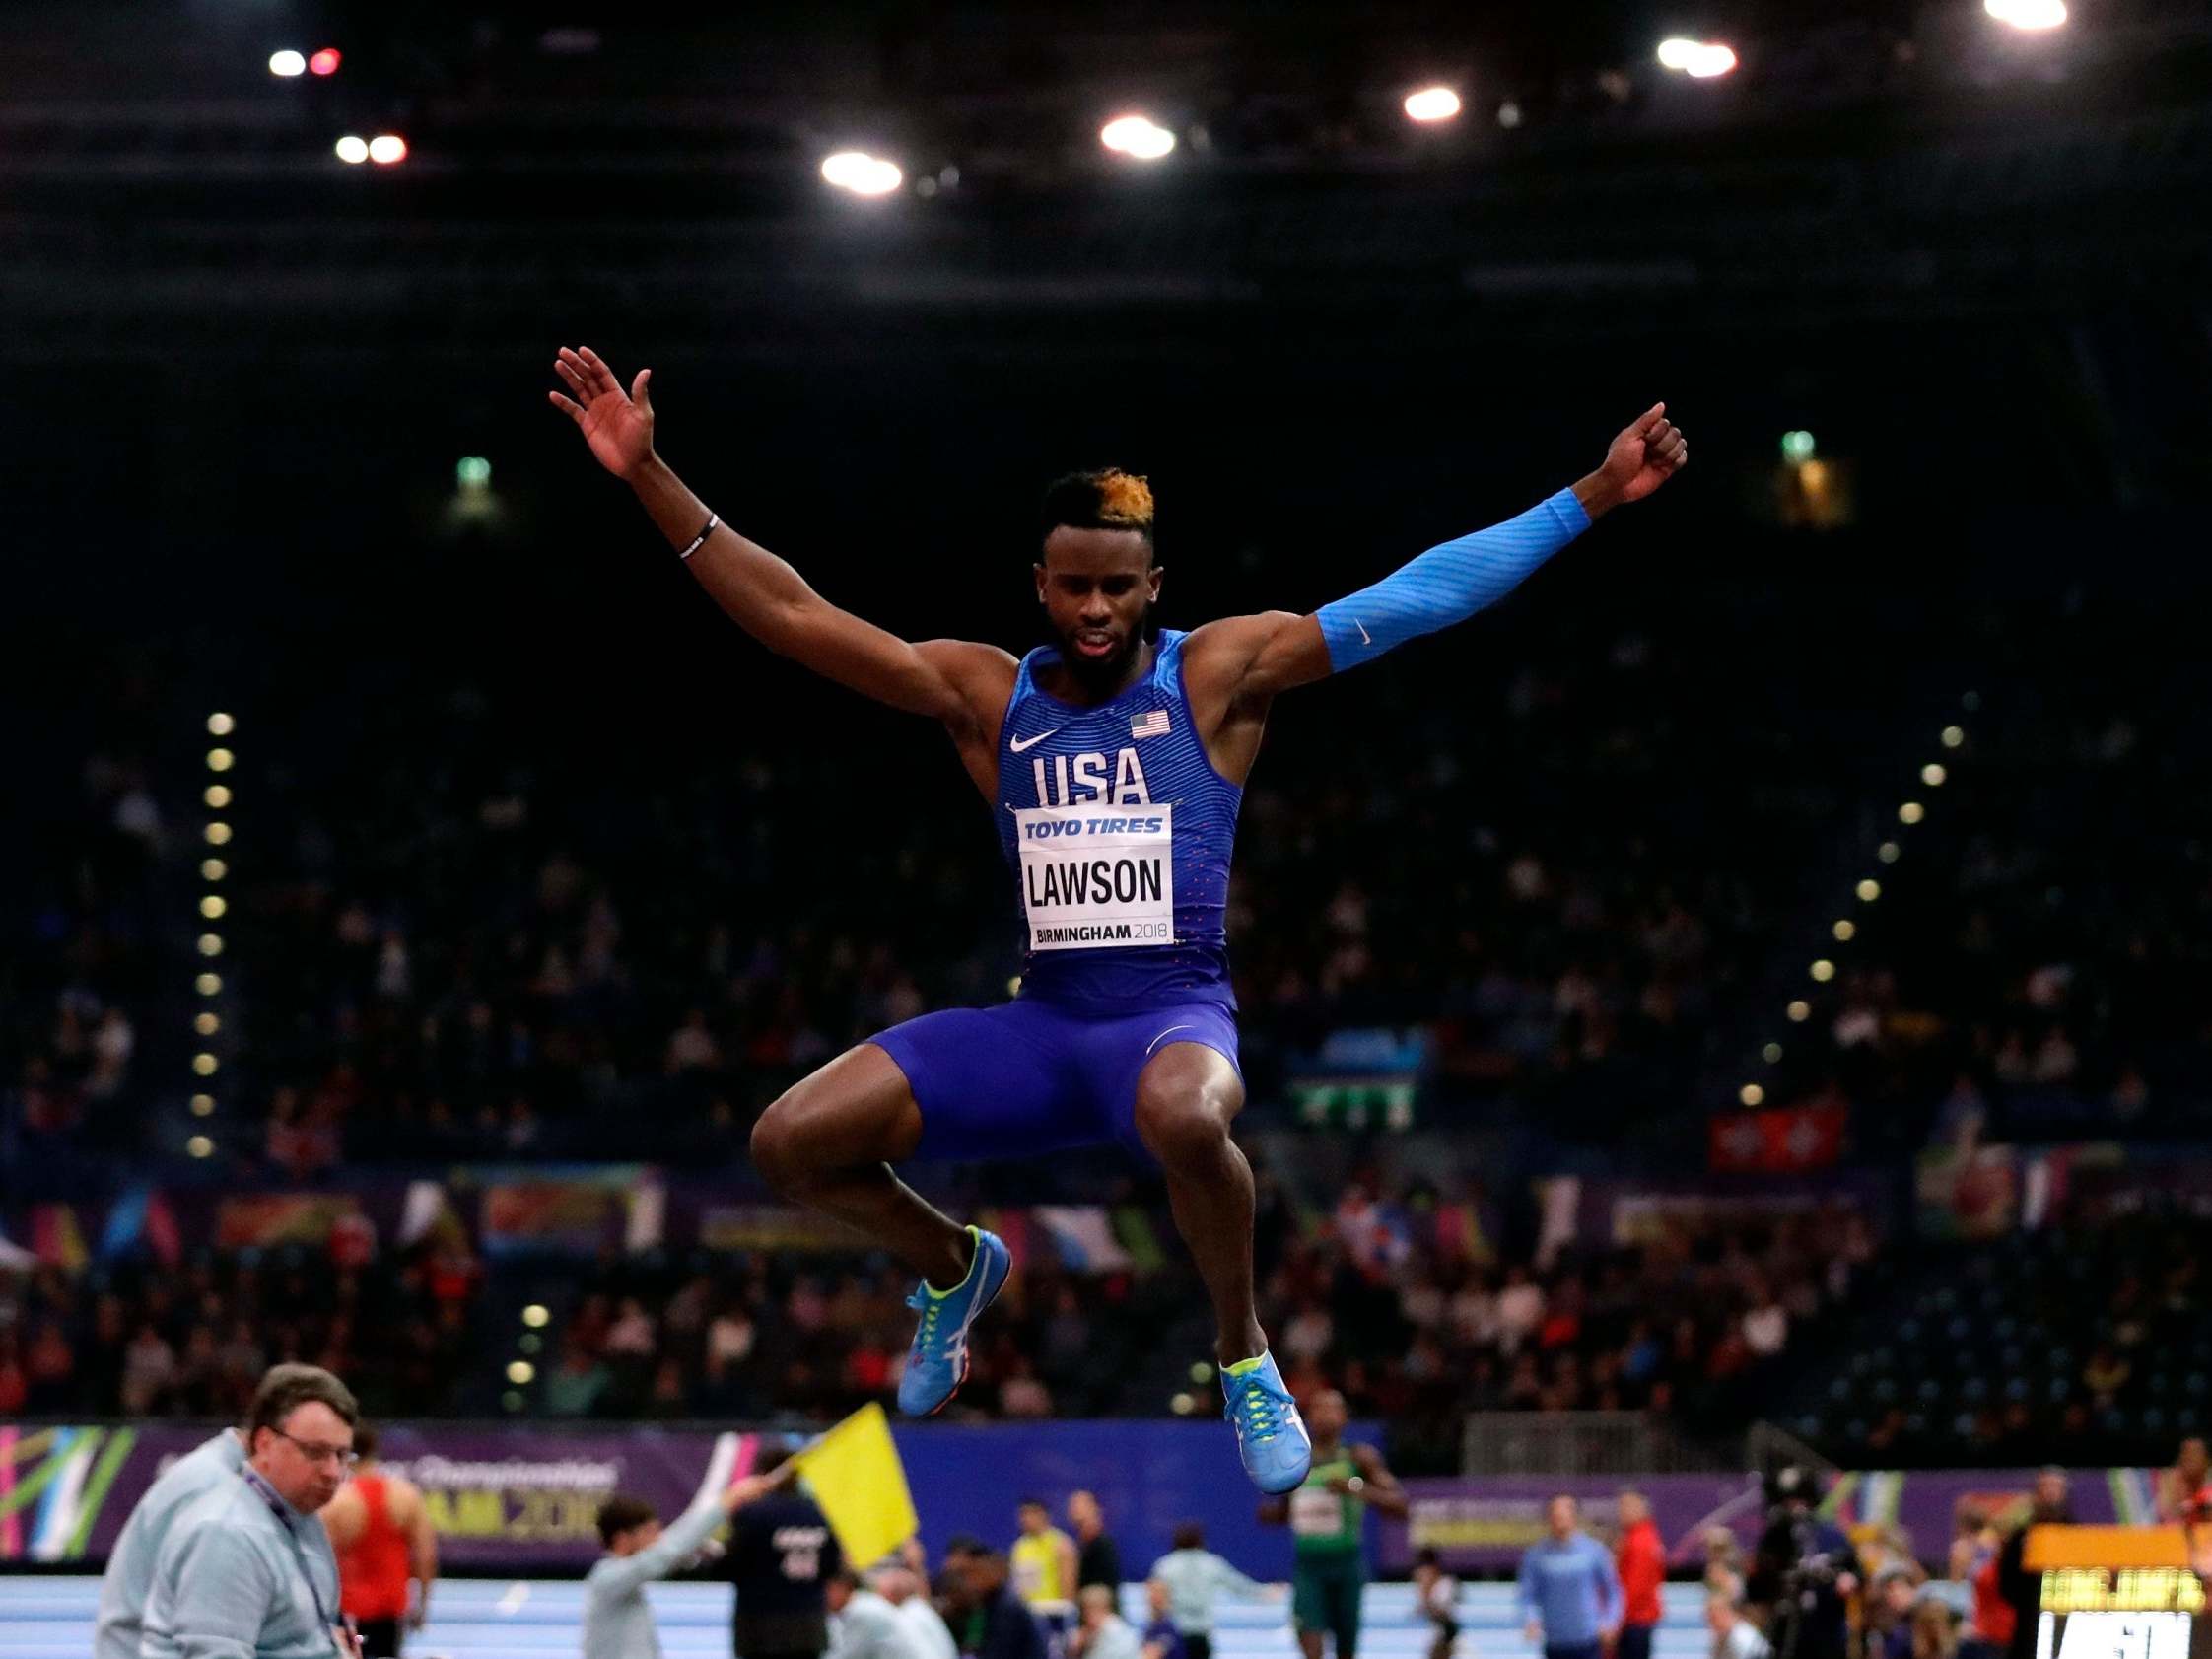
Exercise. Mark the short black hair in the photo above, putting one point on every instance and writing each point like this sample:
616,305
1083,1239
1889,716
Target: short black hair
1105,499
621,1512
1188,1535
1033,1503
286,1388
364,1440
1427,1558
965,1543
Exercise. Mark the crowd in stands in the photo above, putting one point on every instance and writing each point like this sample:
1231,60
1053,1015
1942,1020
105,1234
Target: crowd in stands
2091,1333
142,1339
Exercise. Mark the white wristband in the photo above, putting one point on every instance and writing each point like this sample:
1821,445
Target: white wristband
700,540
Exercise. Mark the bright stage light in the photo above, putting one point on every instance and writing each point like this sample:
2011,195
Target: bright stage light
862,173
388,149
287,64
324,62
1431,104
1751,1094
353,150
199,1146
1699,59
2033,15
1138,137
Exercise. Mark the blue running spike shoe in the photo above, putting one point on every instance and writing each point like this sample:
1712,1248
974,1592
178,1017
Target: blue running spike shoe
938,1364
1270,1437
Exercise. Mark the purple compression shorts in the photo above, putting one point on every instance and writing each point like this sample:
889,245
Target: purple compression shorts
1028,1078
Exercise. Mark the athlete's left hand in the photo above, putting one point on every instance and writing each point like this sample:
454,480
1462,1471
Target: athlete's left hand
1648,452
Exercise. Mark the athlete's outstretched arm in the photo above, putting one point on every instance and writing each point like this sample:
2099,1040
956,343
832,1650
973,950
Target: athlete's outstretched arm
1252,658
762,593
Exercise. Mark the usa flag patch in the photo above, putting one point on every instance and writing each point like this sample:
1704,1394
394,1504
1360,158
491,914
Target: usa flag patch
1153,725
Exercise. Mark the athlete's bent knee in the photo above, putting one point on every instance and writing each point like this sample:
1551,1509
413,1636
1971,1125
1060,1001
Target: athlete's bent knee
779,1146
1186,1125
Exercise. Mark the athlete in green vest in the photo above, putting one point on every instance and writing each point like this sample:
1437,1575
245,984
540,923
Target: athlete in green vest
1326,1516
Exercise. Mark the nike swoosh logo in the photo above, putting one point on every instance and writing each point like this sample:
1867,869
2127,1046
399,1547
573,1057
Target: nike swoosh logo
1363,627
1018,744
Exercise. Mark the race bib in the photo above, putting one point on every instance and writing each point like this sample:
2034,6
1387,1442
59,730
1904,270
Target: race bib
1095,876
1316,1512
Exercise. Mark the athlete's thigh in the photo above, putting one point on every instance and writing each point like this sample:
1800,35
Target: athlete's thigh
1177,1053
854,1109
1002,1082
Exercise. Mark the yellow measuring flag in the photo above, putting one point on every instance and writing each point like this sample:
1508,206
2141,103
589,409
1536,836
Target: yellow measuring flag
855,1476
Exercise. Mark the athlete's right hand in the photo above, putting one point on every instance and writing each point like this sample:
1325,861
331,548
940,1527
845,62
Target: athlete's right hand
617,426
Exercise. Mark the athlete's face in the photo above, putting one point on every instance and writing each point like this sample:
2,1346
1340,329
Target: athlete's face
1097,587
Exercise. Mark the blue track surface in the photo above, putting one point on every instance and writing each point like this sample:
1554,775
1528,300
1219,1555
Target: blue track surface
537,1618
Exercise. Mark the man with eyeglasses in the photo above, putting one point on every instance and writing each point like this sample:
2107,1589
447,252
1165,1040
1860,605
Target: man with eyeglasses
247,1570
129,1577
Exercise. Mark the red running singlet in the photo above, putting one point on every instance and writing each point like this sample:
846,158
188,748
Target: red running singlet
373,1573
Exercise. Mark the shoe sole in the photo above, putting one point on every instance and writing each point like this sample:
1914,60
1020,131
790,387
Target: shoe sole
961,1380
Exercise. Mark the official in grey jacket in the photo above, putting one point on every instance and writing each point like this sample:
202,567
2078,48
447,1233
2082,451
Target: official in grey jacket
129,1577
246,1570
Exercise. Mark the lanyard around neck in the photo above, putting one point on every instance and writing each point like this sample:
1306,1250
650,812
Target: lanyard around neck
283,1512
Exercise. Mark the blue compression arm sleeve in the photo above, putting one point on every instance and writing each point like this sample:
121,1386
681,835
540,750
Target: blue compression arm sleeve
1448,584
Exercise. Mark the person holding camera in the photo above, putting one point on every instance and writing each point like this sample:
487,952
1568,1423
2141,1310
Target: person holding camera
1805,1573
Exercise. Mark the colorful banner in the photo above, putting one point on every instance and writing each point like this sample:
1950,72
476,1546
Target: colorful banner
265,1220
1785,1140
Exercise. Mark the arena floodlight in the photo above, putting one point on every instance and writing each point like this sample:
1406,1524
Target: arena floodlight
1869,890
2033,15
353,150
1799,1011
1933,774
388,149
1700,60
285,64
1138,137
1431,104
1751,1094
199,1146
862,173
